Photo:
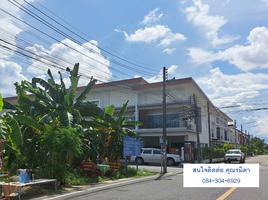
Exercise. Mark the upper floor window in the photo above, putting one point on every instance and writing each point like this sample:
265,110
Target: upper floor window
218,133
217,120
156,120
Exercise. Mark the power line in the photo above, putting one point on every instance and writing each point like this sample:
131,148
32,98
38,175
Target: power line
32,14
87,35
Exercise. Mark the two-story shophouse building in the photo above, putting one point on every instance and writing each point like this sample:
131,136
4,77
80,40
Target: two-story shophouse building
146,105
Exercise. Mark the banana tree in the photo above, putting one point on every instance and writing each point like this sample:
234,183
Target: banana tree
121,129
52,105
110,140
10,130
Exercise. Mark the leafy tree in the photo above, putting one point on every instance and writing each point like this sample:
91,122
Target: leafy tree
243,149
259,144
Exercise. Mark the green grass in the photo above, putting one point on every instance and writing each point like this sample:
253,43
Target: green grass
76,178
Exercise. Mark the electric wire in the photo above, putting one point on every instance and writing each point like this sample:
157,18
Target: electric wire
23,8
83,34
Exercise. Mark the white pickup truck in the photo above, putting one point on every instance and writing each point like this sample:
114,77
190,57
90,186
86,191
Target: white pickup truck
153,155
234,155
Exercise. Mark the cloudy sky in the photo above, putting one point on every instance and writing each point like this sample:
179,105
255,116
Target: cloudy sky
222,44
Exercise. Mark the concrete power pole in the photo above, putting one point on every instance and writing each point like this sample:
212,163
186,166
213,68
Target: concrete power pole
197,131
209,135
241,138
164,122
235,134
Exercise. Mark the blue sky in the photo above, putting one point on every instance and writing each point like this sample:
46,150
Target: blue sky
222,44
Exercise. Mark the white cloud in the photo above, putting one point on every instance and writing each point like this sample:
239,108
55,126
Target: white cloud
200,56
232,88
148,34
152,17
89,63
171,37
251,56
262,126
10,73
172,69
169,51
198,15
152,34
159,77
6,23
239,89
246,58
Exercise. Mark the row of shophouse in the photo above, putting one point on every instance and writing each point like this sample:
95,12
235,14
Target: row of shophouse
145,105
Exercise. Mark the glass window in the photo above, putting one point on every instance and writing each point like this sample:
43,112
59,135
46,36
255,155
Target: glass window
218,133
147,151
156,121
156,152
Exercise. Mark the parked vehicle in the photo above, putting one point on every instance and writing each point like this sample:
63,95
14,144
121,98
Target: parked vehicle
234,155
153,155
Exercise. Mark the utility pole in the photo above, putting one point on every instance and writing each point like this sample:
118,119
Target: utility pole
209,135
235,134
246,138
164,122
241,136
197,130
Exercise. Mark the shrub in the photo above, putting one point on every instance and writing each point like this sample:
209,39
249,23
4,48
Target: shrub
57,148
206,152
226,147
123,173
218,153
243,149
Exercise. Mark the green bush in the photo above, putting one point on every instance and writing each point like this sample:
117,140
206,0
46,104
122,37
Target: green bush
226,147
243,149
206,152
195,153
131,172
124,173
57,148
218,153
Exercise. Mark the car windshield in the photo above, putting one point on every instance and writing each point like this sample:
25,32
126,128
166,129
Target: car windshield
233,152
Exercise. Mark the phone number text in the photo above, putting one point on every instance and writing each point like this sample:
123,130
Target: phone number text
221,180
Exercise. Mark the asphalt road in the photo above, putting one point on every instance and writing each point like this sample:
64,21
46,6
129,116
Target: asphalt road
168,186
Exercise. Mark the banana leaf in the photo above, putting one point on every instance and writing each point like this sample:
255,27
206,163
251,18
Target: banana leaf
122,111
110,110
29,122
83,95
66,118
8,105
15,132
